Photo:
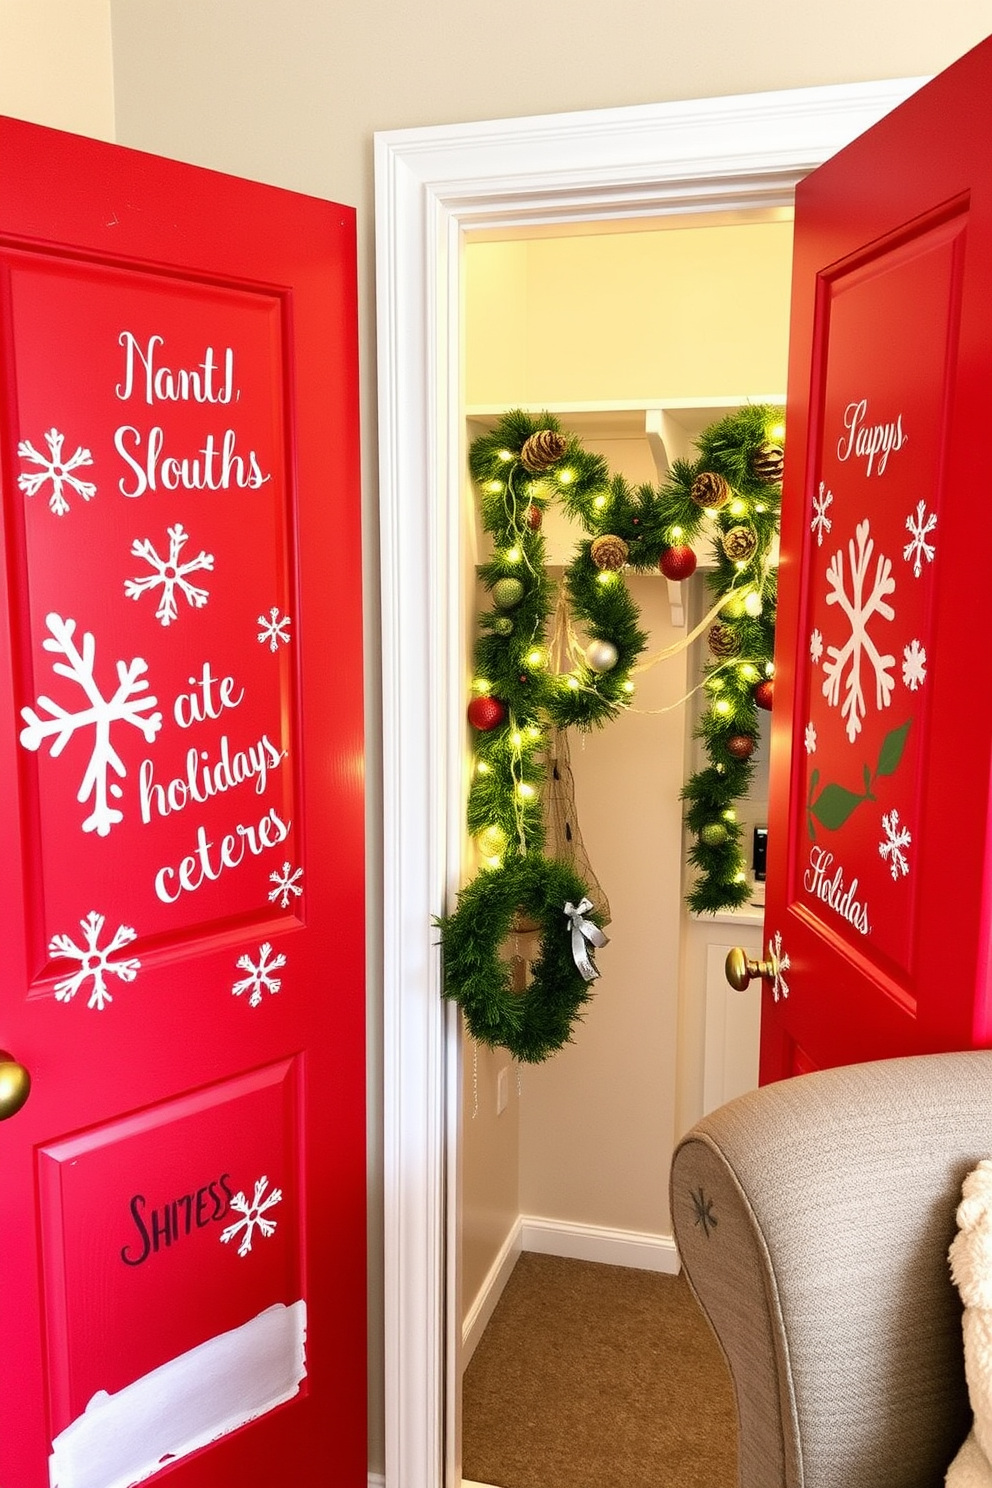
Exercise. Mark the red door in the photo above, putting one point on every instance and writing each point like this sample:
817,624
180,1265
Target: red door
879,896
182,1198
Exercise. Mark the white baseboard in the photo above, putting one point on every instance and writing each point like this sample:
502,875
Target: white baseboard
376,1480
581,1242
482,1309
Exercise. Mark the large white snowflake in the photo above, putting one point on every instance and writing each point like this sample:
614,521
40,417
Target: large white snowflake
94,961
859,610
919,527
275,628
891,847
821,523
170,573
914,665
56,470
252,1215
259,978
123,706
287,885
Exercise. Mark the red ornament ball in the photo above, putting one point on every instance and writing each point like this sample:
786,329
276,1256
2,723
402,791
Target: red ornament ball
535,517
741,746
677,563
764,693
486,713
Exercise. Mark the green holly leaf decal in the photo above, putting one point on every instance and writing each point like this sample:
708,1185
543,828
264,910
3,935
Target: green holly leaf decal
892,747
834,805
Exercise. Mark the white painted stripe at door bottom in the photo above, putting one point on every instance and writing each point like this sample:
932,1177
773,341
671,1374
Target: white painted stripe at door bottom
186,1404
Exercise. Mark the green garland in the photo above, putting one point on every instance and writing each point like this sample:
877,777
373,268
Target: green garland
522,465
535,1024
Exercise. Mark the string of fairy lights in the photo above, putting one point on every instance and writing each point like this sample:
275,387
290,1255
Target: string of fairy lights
521,690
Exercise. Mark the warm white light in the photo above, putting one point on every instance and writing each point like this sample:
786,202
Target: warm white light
494,486
573,682
516,740
777,432
675,534
599,503
482,768
526,791
628,687
730,815
722,707
738,508
605,577
480,685
505,455
535,658
533,732
752,604
769,669
566,477
748,672
513,556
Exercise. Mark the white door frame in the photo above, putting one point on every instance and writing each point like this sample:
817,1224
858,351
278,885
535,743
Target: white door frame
432,185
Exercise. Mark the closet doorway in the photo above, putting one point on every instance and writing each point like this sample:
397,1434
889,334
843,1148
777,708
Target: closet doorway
434,186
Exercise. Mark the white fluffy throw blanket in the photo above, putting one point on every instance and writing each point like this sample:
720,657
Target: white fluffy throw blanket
971,1270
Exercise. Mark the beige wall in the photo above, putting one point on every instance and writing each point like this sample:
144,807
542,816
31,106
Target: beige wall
290,91
56,64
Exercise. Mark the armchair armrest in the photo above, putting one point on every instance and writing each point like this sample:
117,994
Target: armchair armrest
813,1219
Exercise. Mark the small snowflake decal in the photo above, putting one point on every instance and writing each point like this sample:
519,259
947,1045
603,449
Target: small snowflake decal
56,470
275,628
124,706
891,848
93,961
816,647
914,665
170,573
780,964
287,886
252,1216
260,978
704,1212
821,523
859,610
811,738
919,528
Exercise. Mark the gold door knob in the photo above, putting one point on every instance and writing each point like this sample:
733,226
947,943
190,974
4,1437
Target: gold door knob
740,969
15,1085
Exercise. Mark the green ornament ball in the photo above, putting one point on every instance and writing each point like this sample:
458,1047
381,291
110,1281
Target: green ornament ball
503,625
714,834
507,593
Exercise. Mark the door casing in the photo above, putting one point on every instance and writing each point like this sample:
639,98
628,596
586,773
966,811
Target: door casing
433,186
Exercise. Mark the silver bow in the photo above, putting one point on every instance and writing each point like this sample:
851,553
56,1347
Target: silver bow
584,930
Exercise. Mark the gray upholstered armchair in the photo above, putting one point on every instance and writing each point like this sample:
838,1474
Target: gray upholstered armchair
813,1219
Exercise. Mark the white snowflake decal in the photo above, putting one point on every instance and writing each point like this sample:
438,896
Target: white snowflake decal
93,961
859,611
287,885
260,978
275,628
124,706
170,573
252,1215
919,527
780,963
811,738
816,647
891,848
821,523
914,665
56,470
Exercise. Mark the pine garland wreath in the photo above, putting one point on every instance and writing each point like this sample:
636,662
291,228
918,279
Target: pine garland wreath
519,467
536,1023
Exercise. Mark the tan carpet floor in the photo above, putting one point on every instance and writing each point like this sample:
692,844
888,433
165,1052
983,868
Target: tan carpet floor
593,1376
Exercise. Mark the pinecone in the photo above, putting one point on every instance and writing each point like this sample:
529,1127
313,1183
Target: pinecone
542,450
766,462
710,489
723,640
609,552
739,543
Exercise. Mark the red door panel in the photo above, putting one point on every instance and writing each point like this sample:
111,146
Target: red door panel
878,886
182,1213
